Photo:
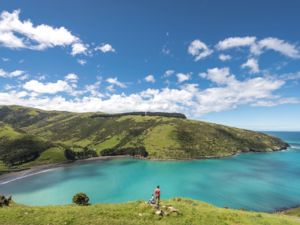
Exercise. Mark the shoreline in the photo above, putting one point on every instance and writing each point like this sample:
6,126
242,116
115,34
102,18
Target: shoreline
16,175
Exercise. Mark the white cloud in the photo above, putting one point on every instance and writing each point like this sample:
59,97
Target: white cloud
275,102
72,77
15,33
114,81
234,42
199,50
224,57
78,48
48,88
105,48
165,50
168,73
252,64
181,77
257,47
187,98
16,73
110,88
150,78
82,61
4,59
219,76
280,46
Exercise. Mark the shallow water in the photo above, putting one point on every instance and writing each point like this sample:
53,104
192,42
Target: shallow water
253,181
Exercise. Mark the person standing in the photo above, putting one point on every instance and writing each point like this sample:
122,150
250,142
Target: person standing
157,195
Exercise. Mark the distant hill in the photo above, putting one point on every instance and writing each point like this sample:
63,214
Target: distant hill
31,136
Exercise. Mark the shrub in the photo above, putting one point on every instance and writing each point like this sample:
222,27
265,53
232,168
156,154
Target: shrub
4,201
85,153
81,199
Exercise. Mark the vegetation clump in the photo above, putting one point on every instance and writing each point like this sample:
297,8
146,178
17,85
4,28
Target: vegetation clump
162,114
70,154
81,199
5,201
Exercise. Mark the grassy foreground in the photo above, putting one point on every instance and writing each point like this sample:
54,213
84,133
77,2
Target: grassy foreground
190,212
292,212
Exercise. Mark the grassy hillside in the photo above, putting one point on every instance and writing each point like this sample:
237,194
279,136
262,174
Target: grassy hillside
91,134
292,212
190,212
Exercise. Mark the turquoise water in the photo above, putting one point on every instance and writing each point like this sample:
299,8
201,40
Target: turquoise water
254,181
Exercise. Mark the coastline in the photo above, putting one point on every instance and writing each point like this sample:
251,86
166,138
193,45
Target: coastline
12,176
15,175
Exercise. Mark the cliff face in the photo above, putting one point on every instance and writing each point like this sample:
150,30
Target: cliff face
159,135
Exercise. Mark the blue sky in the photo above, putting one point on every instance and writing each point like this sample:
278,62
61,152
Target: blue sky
230,62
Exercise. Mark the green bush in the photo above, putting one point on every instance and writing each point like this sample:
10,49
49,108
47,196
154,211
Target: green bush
4,201
81,199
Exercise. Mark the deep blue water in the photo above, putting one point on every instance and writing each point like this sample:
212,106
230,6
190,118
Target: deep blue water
253,181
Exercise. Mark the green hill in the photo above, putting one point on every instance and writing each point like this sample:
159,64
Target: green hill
31,136
189,212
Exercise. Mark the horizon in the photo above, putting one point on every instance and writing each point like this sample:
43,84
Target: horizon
233,63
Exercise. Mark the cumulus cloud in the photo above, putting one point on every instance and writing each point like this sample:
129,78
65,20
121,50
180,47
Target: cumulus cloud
114,81
181,77
168,73
150,78
78,48
199,50
82,61
188,98
48,88
105,48
234,42
280,46
224,57
16,73
72,77
219,75
17,34
258,47
252,64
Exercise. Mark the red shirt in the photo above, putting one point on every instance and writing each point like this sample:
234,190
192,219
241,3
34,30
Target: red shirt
157,192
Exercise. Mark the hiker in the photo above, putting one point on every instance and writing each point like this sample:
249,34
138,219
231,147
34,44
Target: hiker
151,201
157,195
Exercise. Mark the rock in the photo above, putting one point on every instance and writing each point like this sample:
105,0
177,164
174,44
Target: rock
159,212
172,209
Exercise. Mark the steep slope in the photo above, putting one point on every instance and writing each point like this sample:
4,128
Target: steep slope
161,137
190,212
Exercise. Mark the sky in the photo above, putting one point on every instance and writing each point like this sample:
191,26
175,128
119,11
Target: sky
231,62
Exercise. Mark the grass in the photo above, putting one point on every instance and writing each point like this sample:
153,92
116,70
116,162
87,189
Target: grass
161,137
292,212
160,141
190,212
3,167
51,155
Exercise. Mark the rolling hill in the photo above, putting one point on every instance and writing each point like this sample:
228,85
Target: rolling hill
31,136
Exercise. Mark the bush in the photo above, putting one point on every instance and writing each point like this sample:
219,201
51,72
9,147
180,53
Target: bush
81,199
4,201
